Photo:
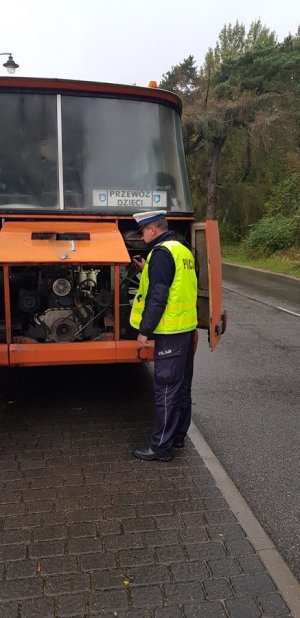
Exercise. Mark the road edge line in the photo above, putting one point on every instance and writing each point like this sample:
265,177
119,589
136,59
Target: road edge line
282,576
258,300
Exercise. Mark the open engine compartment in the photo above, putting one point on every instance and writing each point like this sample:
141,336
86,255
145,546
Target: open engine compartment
65,302
61,303
67,288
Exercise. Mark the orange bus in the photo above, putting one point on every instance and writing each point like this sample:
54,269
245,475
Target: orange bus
77,159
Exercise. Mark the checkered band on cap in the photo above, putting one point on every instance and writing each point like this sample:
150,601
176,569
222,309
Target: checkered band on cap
143,218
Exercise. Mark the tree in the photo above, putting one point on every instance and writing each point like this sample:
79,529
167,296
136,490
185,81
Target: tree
231,42
214,117
269,69
241,118
182,78
243,86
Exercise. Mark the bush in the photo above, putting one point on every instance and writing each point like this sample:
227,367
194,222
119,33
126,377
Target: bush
272,234
228,233
285,198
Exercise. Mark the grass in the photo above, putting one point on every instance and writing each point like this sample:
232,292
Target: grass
286,262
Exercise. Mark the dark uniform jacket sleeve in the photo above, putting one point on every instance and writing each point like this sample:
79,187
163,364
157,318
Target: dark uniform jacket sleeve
161,274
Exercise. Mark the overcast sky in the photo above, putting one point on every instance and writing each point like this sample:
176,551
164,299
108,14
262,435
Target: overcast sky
125,41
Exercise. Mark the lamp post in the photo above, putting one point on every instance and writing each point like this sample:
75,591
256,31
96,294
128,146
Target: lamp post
10,64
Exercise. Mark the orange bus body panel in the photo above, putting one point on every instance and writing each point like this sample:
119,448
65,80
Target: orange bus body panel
3,354
215,280
106,244
93,352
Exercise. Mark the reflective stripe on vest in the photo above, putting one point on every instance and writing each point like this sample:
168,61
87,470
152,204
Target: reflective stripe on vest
180,314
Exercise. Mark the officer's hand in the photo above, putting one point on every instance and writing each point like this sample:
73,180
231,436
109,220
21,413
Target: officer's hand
143,341
138,261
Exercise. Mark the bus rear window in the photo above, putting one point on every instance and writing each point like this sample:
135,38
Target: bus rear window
122,155
90,153
28,151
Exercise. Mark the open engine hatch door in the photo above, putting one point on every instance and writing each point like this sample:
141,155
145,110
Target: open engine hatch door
206,243
70,242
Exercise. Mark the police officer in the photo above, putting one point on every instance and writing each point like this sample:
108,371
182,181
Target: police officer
164,308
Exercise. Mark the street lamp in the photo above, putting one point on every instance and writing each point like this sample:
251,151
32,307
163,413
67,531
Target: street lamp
10,64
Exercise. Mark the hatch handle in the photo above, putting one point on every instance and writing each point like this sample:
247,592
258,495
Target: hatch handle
60,236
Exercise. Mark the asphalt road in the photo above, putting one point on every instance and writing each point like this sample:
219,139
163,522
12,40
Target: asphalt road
246,402
276,290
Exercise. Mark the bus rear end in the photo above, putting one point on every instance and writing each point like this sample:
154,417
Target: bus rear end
76,161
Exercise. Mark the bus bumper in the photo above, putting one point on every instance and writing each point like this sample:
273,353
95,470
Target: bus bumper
78,353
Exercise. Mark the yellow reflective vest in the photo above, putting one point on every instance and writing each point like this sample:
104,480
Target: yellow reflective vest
180,314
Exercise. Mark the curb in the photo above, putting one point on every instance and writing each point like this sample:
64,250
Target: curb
285,581
261,270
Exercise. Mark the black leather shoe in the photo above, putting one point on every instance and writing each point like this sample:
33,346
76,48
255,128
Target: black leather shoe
148,455
179,444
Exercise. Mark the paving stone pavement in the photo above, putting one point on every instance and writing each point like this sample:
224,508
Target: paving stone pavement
86,530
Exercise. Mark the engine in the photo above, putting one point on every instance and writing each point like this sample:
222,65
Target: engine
62,304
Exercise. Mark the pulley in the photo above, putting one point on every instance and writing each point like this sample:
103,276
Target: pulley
61,287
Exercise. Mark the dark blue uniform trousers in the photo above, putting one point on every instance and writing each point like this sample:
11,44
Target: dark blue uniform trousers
173,374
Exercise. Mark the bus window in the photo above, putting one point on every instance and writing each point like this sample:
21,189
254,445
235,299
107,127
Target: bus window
28,151
117,144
